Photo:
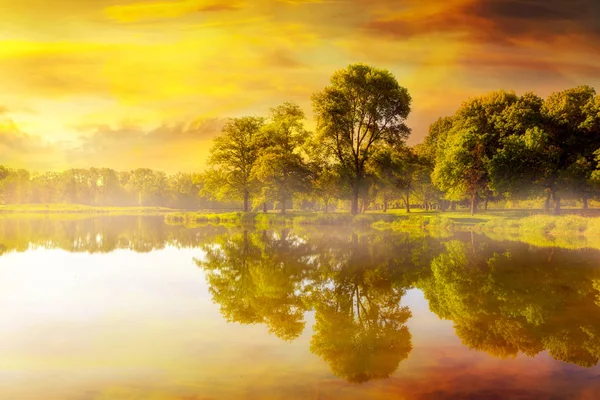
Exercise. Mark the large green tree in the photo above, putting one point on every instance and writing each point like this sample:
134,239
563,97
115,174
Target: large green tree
463,157
280,168
549,145
232,158
361,108
572,135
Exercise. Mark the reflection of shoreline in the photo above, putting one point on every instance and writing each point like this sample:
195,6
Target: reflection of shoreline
503,298
349,281
99,234
355,284
509,299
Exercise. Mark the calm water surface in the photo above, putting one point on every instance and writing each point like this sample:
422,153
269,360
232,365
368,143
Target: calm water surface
132,308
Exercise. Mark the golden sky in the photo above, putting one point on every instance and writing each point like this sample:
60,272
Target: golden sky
125,84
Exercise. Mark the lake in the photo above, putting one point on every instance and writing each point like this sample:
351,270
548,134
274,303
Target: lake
132,308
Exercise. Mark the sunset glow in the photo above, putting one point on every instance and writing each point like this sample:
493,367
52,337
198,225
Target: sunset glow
124,84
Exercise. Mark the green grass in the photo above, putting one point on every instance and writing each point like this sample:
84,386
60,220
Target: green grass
192,219
429,222
565,231
273,219
79,209
546,224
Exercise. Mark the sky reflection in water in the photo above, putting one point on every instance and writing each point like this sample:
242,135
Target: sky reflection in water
131,308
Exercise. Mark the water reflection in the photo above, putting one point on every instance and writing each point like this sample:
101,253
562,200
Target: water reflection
76,233
502,298
257,278
506,299
354,284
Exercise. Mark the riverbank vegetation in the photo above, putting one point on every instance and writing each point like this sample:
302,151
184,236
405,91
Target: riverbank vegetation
497,150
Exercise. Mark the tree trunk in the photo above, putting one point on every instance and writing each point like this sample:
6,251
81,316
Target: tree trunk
246,200
326,206
473,203
548,198
485,206
408,199
364,205
453,206
265,207
585,202
283,205
385,205
355,193
556,202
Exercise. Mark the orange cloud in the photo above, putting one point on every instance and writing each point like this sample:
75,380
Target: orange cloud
103,61
165,10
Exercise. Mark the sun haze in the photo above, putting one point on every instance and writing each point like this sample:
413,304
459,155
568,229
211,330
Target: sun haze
125,84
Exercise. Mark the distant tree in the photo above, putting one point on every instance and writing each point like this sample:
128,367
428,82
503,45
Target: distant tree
422,186
15,185
148,185
595,177
394,169
438,132
326,186
183,190
363,107
233,156
108,188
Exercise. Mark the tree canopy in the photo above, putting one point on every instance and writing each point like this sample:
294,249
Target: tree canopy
362,108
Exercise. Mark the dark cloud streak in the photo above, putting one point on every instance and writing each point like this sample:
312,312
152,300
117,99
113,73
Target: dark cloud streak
500,21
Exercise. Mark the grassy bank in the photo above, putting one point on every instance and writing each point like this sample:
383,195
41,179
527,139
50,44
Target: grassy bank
80,209
546,225
428,222
272,219
566,231
499,221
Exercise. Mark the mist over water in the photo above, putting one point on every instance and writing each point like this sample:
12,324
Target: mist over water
130,307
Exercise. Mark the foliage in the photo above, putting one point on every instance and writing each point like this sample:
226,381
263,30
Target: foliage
362,107
353,283
233,156
103,188
280,168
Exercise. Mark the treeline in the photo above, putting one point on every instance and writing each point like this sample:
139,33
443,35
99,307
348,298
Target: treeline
496,147
506,146
105,187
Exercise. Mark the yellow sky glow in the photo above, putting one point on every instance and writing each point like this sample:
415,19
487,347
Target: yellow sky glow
75,73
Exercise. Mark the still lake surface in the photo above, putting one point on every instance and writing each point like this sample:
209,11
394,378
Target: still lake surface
111,308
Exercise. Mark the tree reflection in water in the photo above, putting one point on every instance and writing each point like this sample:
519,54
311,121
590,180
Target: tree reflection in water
510,298
354,283
504,298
